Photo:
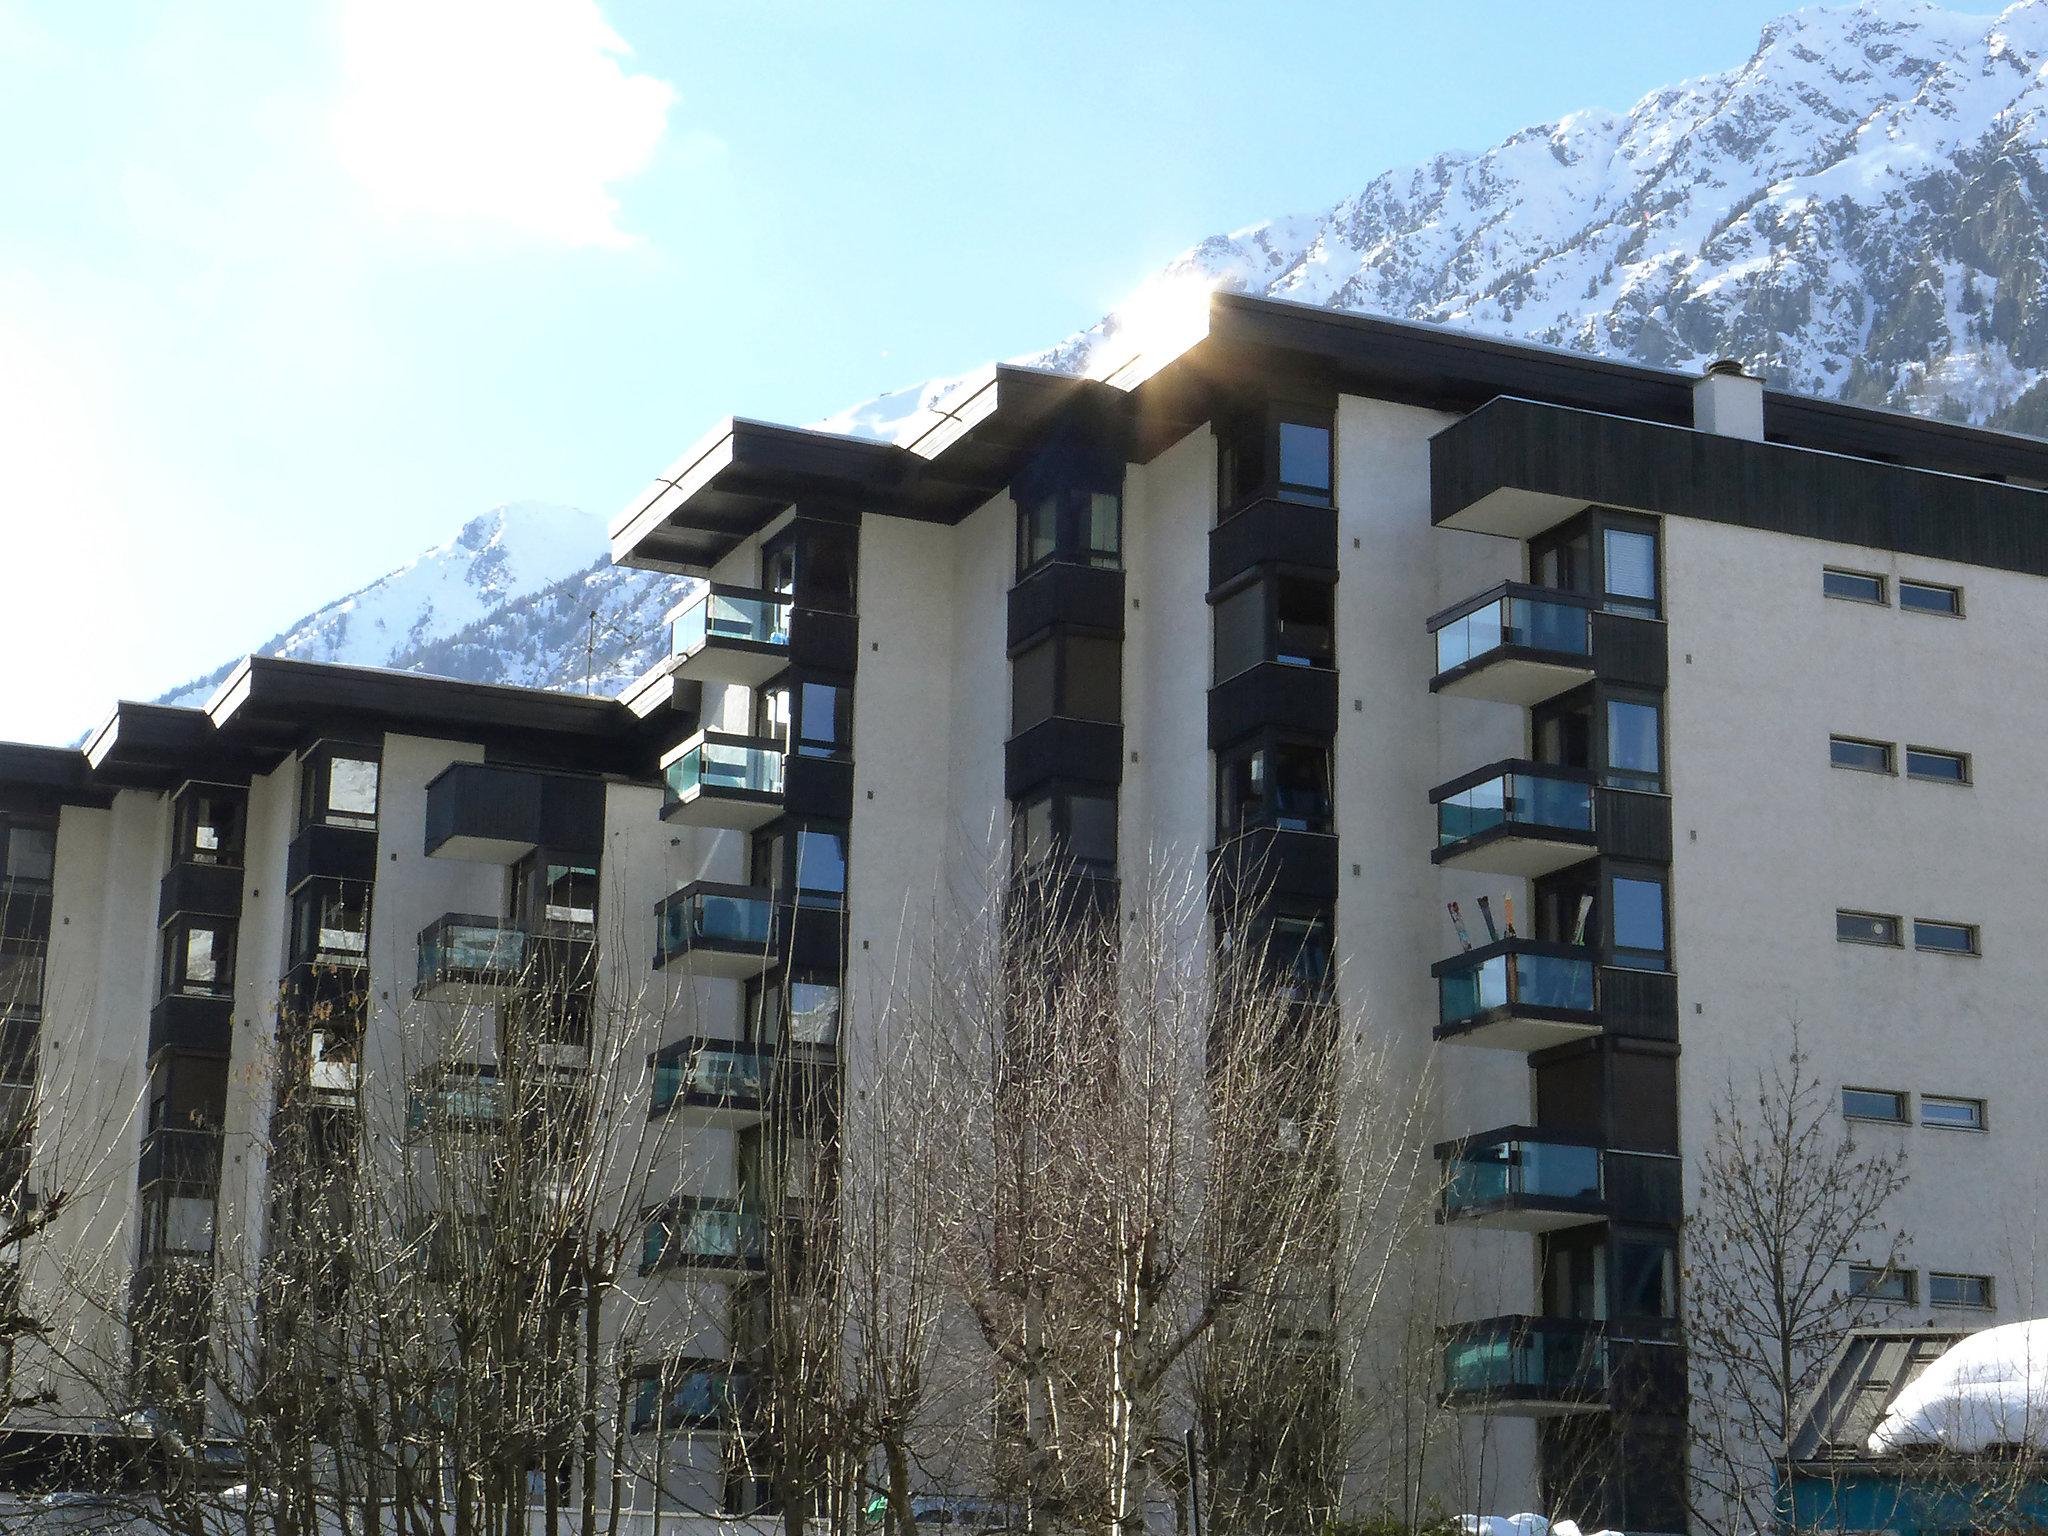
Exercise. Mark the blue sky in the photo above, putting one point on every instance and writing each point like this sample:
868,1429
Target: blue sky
289,292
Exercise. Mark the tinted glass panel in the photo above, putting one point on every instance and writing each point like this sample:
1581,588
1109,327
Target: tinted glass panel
1091,830
1923,763
826,718
1866,928
1631,571
1951,938
1038,532
1852,585
1305,459
1638,908
352,788
1094,679
1645,1278
1959,1290
1105,529
1240,621
1031,831
28,853
821,862
1031,686
571,894
1633,757
829,574
1873,1104
1926,597
1304,613
1870,756
1880,1284
813,1013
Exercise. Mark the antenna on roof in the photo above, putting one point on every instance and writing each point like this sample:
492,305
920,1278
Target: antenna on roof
590,647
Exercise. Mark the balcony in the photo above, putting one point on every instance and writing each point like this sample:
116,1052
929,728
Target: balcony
324,851
1517,995
1514,644
176,1155
722,1082
190,1021
730,635
467,958
1270,530
486,813
1528,1367
712,929
716,780
703,1234
1515,818
1521,1180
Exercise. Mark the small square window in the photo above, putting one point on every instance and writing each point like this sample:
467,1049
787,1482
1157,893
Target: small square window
1942,767
1930,597
1873,1283
1946,938
1874,1104
1852,586
1866,928
1958,1290
1951,1114
1864,756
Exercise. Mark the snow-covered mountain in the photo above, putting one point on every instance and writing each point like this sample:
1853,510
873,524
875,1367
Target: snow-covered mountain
1857,211
509,599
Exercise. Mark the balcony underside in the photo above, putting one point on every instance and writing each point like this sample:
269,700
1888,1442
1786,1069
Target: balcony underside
1513,675
1520,1029
742,962
1528,1214
1522,1403
747,663
740,810
1521,851
1514,513
460,987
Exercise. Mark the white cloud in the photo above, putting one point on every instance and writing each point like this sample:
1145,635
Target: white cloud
497,115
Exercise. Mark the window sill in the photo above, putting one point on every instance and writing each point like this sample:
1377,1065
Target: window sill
1865,602
1903,1125
1959,1130
1953,954
1935,778
1881,773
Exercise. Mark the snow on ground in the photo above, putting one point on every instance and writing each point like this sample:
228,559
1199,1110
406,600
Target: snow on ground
1522,1525
1989,1389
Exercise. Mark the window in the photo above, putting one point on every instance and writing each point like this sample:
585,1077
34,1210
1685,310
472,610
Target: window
1942,767
1866,928
1864,756
1874,1104
1873,1283
1073,677
338,786
1851,586
1958,1290
1951,1114
810,719
1240,630
1645,1277
1273,784
1069,499
1305,462
199,957
1630,557
1038,538
1637,908
1945,938
1634,757
819,854
331,923
805,1011
1288,619
207,825
1298,952
569,894
27,851
1104,544
813,562
1930,597
1079,824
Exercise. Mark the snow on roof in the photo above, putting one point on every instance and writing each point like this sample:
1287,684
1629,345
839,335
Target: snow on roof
1989,1389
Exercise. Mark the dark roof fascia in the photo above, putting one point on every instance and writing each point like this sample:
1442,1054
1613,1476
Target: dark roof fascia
38,780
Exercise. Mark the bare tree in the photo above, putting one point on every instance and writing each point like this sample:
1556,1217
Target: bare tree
1784,1202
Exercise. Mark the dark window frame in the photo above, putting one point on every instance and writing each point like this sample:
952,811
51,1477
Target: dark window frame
779,984
1962,778
316,785
1272,740
305,935
1266,581
1071,542
45,830
1888,770
186,822
1894,925
1898,1096
1972,935
1248,444
1058,797
801,543
797,741
1613,952
174,979
1980,1124
1584,537
1871,1274
1882,599
784,838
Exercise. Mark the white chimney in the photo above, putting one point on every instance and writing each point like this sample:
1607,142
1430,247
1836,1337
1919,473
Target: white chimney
1728,401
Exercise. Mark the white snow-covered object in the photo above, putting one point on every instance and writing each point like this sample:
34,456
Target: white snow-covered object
1989,1389
1521,1525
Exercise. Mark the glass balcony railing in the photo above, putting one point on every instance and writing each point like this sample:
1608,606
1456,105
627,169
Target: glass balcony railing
1518,795
708,1234
713,1074
729,614
1531,1360
704,917
1512,976
1513,616
1509,1168
713,763
461,950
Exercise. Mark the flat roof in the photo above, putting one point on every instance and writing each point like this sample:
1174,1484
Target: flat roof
744,473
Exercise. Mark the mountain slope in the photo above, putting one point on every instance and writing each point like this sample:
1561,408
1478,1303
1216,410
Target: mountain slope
1857,211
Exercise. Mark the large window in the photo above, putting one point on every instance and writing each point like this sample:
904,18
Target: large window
1645,1278
807,718
814,563
1283,451
28,852
1064,825
1609,555
206,823
331,922
1638,930
1884,1104
1083,526
806,857
1629,560
1066,676
804,1010
338,786
1635,758
1283,784
1874,1282
1285,618
199,956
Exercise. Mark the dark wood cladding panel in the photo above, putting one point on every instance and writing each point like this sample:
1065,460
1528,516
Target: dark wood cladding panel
818,786
1078,751
1615,461
201,1025
1629,824
1272,532
1272,862
1638,1005
1300,699
1633,652
214,890
330,853
1078,596
824,642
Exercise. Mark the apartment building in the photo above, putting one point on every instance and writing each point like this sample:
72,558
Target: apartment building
1704,706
